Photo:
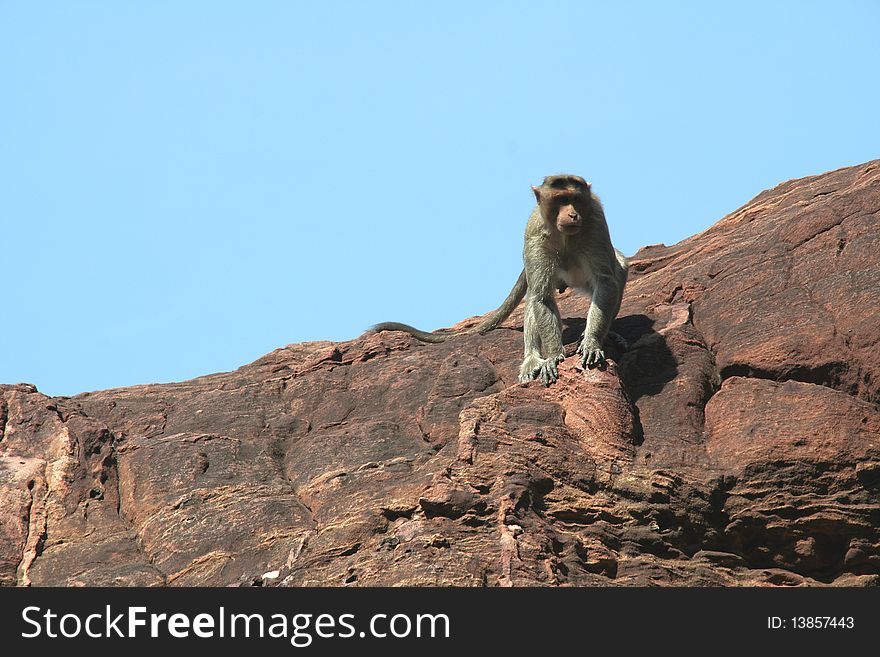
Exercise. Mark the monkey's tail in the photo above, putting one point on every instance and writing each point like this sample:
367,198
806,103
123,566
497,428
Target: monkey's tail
510,303
503,312
424,336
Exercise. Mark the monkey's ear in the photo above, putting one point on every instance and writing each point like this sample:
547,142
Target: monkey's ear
589,185
537,191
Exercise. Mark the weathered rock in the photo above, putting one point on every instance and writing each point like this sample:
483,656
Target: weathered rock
736,441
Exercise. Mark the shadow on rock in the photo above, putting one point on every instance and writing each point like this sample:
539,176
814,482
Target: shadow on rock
648,363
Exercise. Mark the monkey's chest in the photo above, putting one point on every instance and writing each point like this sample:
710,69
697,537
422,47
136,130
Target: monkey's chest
574,272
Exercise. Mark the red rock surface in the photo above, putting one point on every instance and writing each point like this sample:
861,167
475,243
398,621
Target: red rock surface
736,442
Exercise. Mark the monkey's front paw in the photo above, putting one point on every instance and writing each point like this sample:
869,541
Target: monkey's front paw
529,369
591,353
549,371
545,368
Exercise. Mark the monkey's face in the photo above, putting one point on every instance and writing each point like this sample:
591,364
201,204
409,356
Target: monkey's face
568,220
563,211
564,202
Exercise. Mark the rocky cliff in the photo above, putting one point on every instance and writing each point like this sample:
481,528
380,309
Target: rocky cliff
736,442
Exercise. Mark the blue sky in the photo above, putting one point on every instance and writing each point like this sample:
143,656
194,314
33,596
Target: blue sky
187,185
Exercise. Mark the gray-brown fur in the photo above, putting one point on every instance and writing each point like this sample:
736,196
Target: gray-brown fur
566,244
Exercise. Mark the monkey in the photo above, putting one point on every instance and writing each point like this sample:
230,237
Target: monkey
566,244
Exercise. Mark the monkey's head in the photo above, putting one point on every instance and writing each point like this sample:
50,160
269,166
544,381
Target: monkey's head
564,201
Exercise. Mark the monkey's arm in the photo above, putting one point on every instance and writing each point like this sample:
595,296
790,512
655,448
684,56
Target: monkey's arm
543,327
607,293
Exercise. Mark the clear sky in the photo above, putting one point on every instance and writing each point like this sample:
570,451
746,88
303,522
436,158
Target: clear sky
186,185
